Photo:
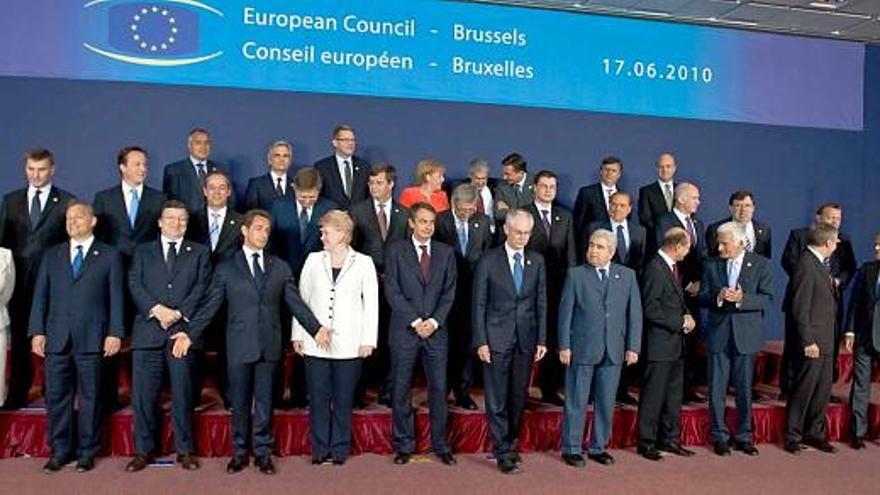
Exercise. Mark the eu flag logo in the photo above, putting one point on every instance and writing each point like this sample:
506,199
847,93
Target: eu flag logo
153,29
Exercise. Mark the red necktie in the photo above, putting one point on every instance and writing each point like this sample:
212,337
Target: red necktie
481,208
675,273
424,263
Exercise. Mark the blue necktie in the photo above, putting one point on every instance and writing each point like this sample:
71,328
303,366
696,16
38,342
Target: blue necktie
78,262
462,237
517,272
133,207
622,249
215,230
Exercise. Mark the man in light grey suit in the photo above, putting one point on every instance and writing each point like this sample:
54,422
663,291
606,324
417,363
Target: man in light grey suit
600,328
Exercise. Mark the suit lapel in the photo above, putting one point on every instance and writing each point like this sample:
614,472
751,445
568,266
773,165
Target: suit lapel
409,253
504,267
51,203
244,266
229,229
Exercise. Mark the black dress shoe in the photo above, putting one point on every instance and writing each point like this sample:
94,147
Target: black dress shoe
139,462
188,462
85,464
317,460
674,448
858,443
574,460
507,466
747,448
793,448
694,398
603,458
236,464
822,446
835,400
401,458
627,400
552,398
54,464
447,458
722,449
385,400
516,458
339,461
650,453
265,464
467,403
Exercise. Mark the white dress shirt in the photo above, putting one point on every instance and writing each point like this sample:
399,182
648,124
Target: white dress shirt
623,224
249,257
275,177
44,196
86,245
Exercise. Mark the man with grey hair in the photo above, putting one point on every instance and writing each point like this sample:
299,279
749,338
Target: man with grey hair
683,214
509,330
737,290
263,190
467,231
478,176
600,328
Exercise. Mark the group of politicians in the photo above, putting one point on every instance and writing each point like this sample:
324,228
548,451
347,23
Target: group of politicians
487,279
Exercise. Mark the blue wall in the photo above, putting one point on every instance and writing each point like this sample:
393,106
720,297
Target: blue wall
789,169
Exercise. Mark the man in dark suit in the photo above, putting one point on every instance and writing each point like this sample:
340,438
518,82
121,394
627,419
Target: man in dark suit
127,216
759,239
296,222
467,231
657,198
737,290
594,201
167,280
255,286
515,191
510,331
630,252
263,190
218,227
31,220
478,177
863,340
76,318
420,287
667,321
842,266
600,328
344,175
378,222
811,300
553,237
183,180
683,214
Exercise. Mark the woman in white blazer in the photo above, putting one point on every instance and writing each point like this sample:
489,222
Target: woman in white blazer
340,286
7,282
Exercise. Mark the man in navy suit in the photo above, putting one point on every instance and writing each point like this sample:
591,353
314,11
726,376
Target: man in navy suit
759,239
737,290
420,287
31,220
255,286
510,331
183,180
264,189
667,321
657,198
344,175
76,318
296,221
593,202
863,340
127,216
600,328
467,231
553,238
167,280
683,215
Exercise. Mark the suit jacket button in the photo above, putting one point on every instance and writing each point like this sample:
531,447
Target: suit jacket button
170,286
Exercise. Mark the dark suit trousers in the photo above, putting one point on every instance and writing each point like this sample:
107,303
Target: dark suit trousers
506,382
148,366
721,364
434,352
579,381
331,384
68,376
660,403
789,345
550,371
863,359
462,368
250,385
810,392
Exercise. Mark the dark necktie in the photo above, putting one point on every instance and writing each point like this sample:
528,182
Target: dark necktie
279,190
171,256
675,273
545,221
668,196
303,225
202,172
603,280
424,264
622,249
77,263
258,270
36,208
689,223
383,221
348,178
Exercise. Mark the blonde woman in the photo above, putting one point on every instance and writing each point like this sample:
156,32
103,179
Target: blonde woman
428,187
7,282
340,286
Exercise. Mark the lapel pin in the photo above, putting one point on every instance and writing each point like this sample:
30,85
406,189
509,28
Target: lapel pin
356,168
617,275
476,225
55,199
95,253
529,262
232,222
749,264
396,210
188,248
557,219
